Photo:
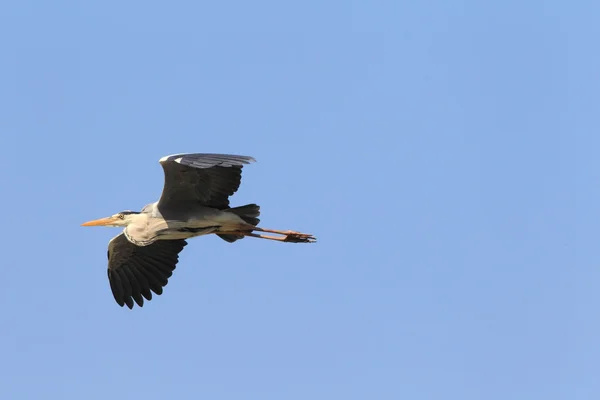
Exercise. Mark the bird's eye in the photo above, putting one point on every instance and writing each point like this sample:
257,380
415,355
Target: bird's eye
121,216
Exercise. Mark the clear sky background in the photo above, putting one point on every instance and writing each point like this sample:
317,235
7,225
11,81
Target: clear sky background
445,154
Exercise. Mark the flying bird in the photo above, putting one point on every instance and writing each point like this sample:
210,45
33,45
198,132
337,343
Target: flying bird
194,202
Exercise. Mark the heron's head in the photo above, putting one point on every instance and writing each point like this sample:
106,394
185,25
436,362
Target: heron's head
123,218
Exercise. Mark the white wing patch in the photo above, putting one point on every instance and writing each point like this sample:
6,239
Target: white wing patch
165,158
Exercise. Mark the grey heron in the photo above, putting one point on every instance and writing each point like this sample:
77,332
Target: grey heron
194,202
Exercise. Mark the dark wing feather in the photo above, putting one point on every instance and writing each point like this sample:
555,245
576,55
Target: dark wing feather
134,272
204,179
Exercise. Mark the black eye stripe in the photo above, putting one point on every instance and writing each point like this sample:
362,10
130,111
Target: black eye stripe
122,214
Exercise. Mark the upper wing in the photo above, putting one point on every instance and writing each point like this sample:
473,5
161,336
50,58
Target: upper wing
135,270
206,179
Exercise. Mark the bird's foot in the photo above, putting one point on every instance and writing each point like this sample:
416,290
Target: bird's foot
297,237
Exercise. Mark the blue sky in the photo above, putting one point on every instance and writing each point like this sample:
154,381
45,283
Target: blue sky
445,154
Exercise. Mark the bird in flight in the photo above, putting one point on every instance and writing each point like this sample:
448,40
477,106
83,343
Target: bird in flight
194,202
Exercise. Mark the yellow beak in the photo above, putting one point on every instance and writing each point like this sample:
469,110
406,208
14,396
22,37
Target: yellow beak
101,222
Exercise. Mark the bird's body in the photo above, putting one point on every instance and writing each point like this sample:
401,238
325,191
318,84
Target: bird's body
194,202
151,225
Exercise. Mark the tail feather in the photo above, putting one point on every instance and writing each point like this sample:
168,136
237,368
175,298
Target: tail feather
249,213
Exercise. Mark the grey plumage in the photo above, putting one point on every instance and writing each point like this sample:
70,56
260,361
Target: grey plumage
194,202
209,179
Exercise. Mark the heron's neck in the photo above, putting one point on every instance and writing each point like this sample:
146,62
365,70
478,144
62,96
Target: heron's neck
142,230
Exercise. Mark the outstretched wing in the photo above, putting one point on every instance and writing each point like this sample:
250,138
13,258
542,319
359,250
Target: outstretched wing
134,272
204,179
